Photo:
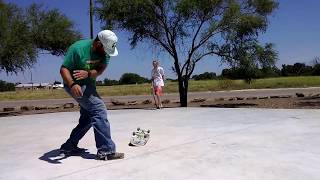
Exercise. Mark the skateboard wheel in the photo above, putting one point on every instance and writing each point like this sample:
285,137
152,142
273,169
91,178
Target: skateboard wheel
148,131
138,129
134,133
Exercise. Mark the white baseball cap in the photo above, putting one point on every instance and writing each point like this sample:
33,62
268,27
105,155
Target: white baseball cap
109,41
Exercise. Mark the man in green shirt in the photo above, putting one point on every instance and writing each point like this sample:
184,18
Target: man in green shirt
84,61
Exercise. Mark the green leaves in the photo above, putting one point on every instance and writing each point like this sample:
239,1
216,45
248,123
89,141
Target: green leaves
132,78
198,8
16,48
263,7
51,30
24,33
6,86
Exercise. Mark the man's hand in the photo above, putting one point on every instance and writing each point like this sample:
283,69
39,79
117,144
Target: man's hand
76,91
67,77
80,74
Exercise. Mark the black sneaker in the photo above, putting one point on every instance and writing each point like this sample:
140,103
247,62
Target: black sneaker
71,150
113,156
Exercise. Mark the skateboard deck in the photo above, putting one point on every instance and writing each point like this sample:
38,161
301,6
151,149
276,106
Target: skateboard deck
139,137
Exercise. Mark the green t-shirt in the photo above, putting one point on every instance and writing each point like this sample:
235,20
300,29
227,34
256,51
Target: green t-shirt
81,57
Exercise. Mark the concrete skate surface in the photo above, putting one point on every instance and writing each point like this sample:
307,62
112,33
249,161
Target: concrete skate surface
185,143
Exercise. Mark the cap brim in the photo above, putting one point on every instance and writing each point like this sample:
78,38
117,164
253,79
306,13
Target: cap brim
114,53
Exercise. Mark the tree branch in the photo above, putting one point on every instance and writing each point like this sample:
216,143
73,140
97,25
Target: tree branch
192,69
211,53
163,23
192,46
170,51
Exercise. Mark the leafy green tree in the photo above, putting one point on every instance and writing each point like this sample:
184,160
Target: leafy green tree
110,82
6,86
189,30
205,76
315,60
99,83
16,48
132,78
316,66
242,73
24,33
316,70
297,69
51,30
268,72
250,57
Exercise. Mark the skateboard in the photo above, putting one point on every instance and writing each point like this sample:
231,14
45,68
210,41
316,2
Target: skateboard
139,137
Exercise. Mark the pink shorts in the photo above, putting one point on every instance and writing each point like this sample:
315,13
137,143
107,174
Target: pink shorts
157,90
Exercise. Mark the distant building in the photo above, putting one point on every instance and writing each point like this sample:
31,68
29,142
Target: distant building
33,86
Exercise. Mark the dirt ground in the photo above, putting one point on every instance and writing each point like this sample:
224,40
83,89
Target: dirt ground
274,103
280,103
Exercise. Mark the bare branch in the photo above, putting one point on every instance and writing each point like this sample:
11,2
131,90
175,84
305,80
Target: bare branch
192,46
161,43
193,65
212,53
163,23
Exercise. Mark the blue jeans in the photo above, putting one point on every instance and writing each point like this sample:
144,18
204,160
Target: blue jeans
93,112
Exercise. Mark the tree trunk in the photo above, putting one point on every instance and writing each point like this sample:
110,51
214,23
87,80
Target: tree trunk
183,82
183,91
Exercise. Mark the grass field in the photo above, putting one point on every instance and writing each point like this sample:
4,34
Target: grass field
172,87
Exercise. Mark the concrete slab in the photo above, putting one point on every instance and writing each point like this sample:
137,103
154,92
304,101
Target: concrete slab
185,143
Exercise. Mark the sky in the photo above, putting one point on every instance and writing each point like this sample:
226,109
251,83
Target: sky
294,28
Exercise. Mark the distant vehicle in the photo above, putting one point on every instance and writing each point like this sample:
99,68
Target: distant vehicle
57,86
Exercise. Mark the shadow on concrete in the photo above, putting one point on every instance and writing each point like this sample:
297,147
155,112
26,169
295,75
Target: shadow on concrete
10,113
143,108
233,105
55,157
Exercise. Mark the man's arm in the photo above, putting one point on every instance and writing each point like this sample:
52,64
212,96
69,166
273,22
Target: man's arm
67,78
82,74
98,71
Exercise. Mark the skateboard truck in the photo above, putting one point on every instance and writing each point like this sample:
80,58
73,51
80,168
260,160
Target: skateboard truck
139,137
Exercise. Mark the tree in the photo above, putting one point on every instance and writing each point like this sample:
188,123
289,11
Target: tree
99,83
242,73
109,82
132,78
316,66
297,69
205,76
316,70
24,33
16,48
189,30
315,61
6,86
250,58
268,72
